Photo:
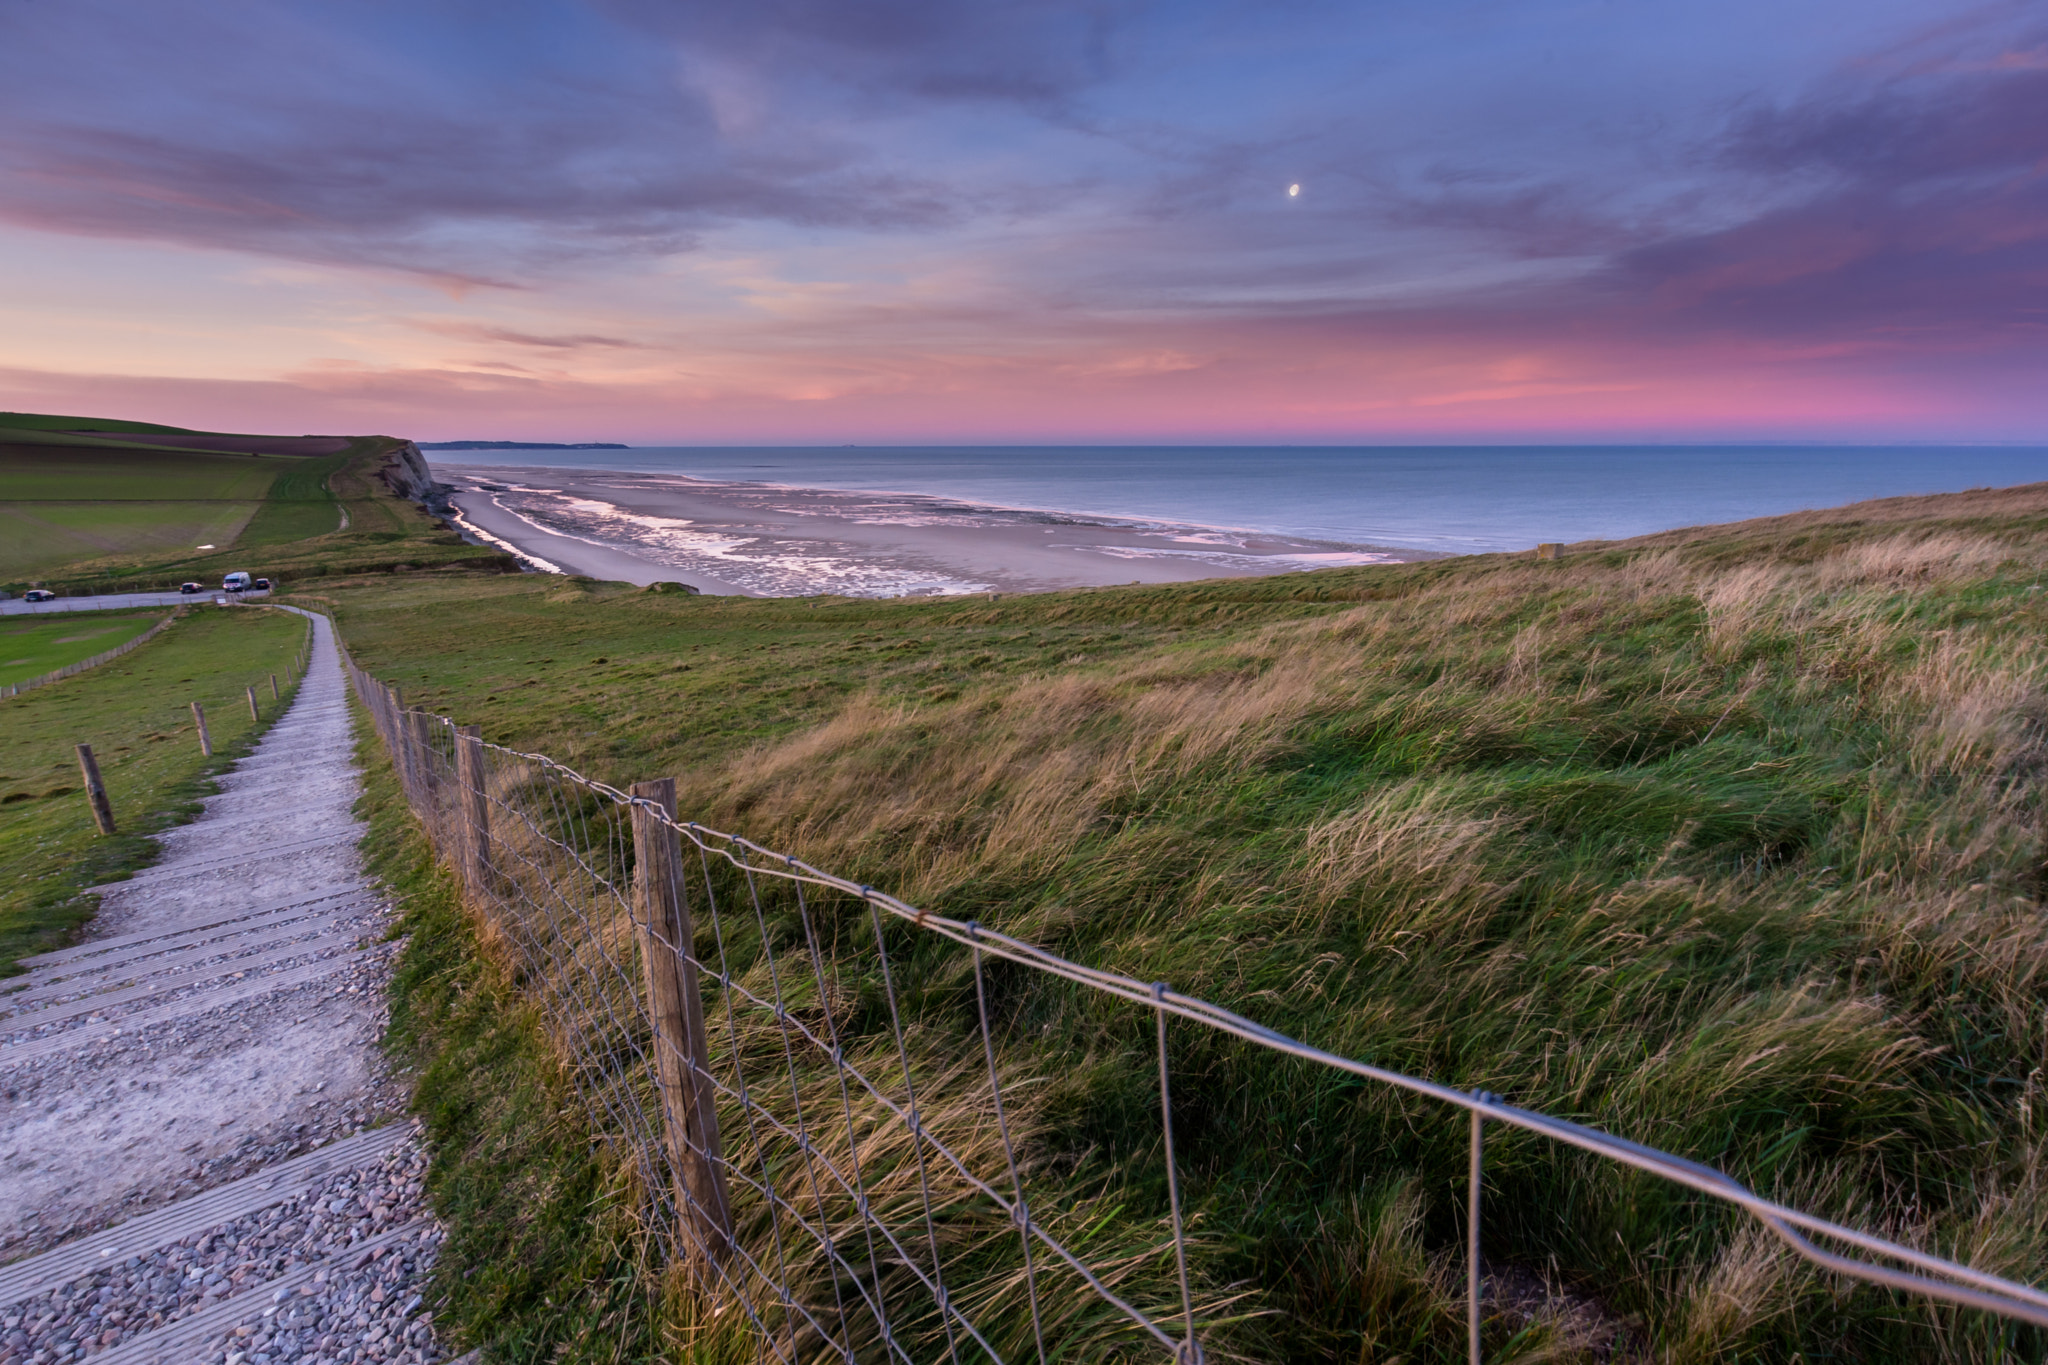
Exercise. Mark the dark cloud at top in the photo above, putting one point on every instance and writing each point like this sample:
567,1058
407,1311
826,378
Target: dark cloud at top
484,169
1470,157
1920,215
1958,118
436,195
1036,52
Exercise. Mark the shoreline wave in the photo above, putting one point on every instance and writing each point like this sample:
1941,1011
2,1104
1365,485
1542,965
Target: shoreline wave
1411,500
780,539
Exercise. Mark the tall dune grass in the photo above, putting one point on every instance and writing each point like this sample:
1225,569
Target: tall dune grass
1743,861
1729,841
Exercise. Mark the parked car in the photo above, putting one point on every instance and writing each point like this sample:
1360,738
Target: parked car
261,585
190,588
235,582
38,595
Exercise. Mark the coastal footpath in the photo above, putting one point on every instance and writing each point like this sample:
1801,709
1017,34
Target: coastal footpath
206,1158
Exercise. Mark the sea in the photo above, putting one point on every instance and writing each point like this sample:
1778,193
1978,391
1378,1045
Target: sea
1453,499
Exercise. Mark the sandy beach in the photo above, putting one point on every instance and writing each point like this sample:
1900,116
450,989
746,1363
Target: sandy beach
760,539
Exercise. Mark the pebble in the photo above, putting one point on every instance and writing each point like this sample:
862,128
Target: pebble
26,1028
369,1301
360,1307
300,1278
194,1038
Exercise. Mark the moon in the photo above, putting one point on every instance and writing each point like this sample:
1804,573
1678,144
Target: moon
1293,191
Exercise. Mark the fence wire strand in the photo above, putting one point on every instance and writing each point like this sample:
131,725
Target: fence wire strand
815,1158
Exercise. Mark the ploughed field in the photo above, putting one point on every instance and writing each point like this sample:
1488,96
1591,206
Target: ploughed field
1726,840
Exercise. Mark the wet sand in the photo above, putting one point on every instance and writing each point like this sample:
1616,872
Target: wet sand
768,540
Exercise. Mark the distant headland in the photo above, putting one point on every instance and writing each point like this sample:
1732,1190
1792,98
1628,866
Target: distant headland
522,445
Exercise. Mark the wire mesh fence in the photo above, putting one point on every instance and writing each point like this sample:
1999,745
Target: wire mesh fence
776,1056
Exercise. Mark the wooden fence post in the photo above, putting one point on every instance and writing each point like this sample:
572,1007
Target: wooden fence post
682,1059
398,738
424,755
474,804
274,695
426,772
254,714
95,790
205,740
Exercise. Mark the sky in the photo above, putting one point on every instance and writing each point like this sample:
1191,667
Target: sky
1012,222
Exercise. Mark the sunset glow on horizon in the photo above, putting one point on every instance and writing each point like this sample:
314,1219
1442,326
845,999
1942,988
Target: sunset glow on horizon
1031,223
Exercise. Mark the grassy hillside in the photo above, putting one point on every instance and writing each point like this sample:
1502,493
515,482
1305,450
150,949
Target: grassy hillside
43,421
1728,840
37,471
31,646
64,499
136,713
97,514
300,505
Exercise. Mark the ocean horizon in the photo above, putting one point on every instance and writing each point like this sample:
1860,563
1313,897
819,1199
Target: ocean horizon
1442,499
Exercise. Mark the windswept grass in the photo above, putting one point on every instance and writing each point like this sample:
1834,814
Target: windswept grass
1729,841
542,1252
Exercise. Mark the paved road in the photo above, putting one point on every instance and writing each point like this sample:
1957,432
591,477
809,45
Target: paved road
116,601
209,1058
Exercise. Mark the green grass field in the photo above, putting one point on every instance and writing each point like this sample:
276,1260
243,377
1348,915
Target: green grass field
136,713
1729,841
38,538
63,503
95,516
33,469
31,646
44,421
300,504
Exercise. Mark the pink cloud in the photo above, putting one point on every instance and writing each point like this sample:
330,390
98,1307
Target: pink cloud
1267,384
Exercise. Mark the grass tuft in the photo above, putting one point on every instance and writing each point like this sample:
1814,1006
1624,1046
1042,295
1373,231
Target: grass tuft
1727,840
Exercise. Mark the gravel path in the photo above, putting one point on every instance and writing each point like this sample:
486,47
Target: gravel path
223,1020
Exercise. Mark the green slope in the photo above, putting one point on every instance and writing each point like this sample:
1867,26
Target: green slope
41,421
84,514
31,646
300,504
1730,841
65,501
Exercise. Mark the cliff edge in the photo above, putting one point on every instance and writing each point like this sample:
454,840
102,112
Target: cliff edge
405,473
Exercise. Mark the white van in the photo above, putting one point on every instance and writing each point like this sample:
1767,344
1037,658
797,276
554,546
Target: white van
235,582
